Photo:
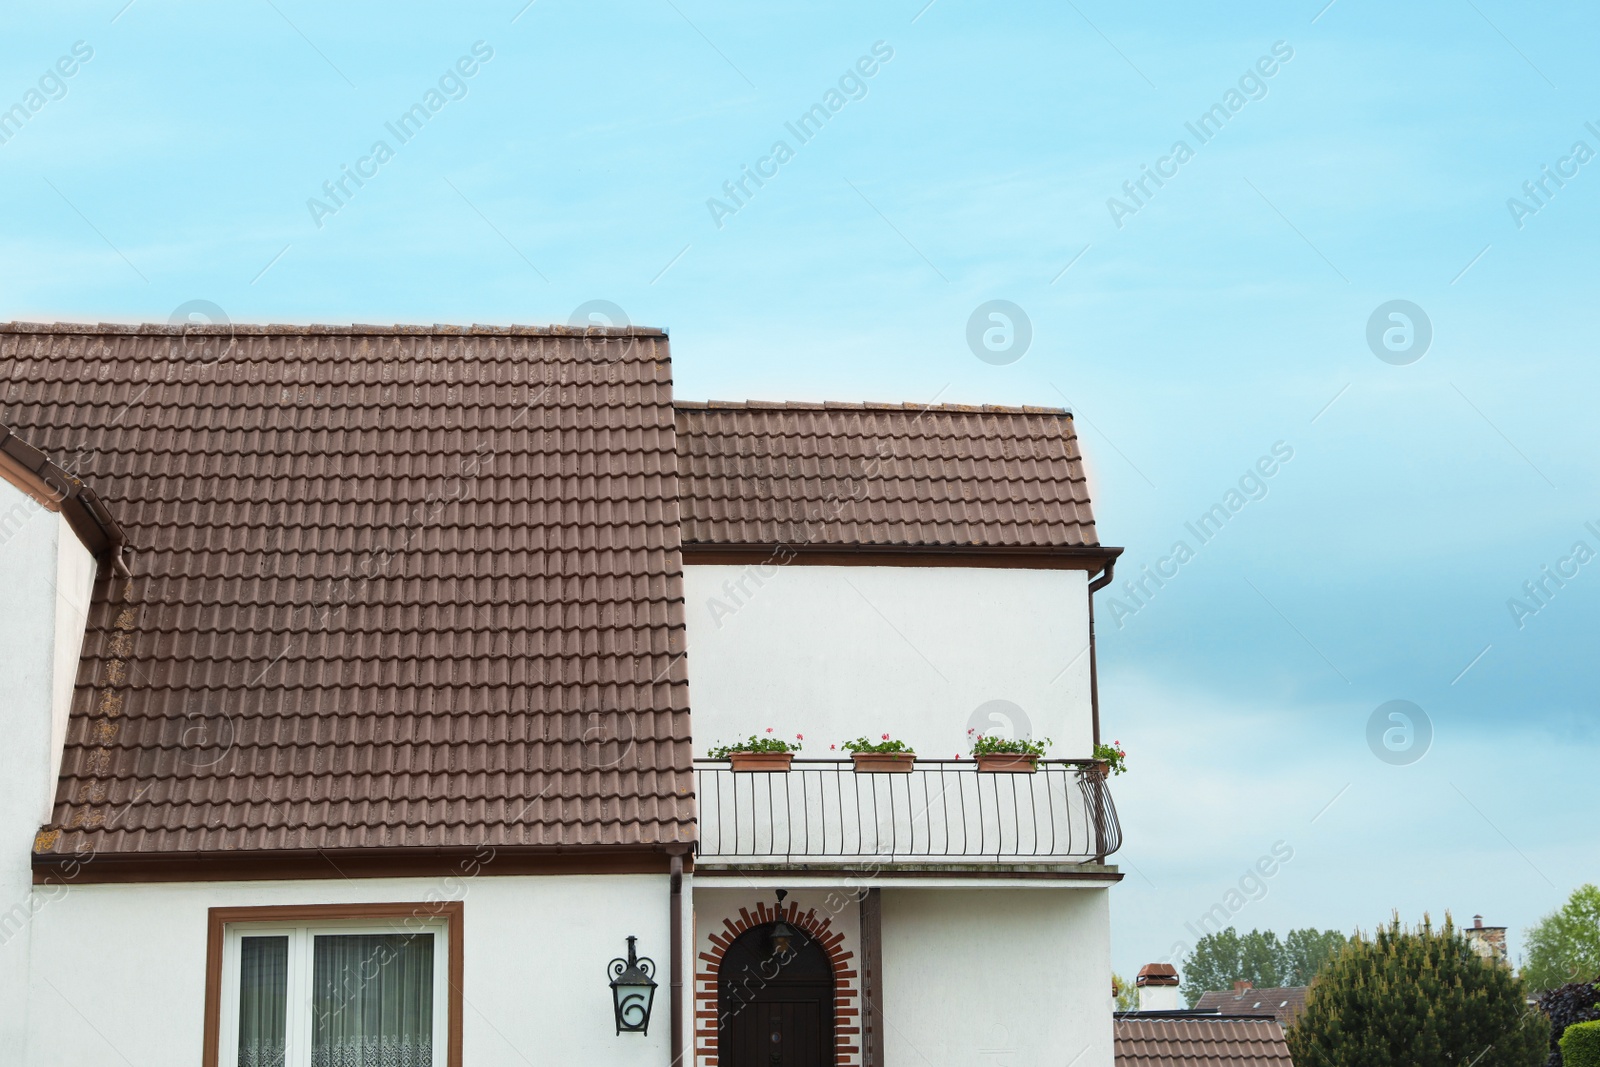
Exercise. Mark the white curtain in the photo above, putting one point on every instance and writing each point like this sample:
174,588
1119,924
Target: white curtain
263,1000
372,1001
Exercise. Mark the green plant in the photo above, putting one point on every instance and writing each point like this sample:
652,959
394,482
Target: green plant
758,744
1564,946
1580,1045
1112,754
1567,1005
1416,998
861,744
1123,994
1218,960
990,745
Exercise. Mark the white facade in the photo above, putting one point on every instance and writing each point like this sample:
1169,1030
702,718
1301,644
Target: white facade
982,961
131,959
997,976
48,577
920,653
976,966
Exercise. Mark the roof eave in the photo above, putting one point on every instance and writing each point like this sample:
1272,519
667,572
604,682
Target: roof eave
59,490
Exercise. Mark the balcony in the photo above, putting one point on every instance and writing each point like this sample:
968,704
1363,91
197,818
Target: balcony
943,811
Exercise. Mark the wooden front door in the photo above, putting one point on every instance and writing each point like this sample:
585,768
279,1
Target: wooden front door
774,1012
777,1033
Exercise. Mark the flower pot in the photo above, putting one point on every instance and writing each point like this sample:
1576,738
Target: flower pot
1097,769
749,762
1007,763
883,762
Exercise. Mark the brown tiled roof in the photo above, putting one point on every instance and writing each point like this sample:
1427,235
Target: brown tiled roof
391,586
881,475
1284,1003
1199,1041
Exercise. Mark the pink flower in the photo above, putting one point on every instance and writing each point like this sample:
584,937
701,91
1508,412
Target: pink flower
799,737
769,729
833,746
886,737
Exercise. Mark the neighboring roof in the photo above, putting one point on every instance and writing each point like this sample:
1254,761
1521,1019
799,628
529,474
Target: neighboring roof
60,490
1284,1003
1185,1040
881,475
393,586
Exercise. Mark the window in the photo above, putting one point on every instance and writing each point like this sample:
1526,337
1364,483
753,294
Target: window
338,986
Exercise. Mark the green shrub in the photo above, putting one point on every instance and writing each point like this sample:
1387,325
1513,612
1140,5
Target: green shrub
1580,1045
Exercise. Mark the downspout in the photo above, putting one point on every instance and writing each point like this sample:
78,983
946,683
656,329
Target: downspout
1094,673
679,1056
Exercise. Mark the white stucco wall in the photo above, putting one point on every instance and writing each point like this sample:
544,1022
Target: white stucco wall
46,577
840,652
989,978
75,573
131,960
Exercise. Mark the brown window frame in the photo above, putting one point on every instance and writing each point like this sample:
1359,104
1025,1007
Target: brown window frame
218,919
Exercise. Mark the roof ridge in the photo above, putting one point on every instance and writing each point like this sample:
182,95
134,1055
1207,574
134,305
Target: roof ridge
147,329
836,405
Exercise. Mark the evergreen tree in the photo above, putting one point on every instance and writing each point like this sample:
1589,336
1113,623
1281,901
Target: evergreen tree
1416,998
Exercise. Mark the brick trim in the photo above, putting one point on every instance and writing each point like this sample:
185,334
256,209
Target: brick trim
846,980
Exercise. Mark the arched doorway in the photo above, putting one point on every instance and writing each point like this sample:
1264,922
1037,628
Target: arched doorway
775,1003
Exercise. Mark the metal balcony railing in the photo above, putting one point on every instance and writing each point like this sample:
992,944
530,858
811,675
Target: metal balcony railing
943,810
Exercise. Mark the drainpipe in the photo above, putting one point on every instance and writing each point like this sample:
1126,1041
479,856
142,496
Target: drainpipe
679,1054
1094,674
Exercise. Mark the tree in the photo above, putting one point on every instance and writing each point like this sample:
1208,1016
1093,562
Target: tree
1416,998
1221,959
1124,994
1306,951
1564,946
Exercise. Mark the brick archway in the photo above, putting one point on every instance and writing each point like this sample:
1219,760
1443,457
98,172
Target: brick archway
846,987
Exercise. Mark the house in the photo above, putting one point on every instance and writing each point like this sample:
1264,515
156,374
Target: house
1162,1034
360,683
1284,1003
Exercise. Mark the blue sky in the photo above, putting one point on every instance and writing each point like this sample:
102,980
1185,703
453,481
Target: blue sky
1226,314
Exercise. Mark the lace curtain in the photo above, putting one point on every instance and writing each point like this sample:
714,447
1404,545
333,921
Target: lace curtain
263,1000
372,1001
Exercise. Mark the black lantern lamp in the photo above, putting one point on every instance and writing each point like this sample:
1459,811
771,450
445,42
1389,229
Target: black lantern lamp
780,941
633,991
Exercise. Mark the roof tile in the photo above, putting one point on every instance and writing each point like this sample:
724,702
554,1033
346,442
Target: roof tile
1199,1041
391,585
881,474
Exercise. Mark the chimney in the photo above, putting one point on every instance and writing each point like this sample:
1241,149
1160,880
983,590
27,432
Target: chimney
1158,987
1489,942
1241,985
